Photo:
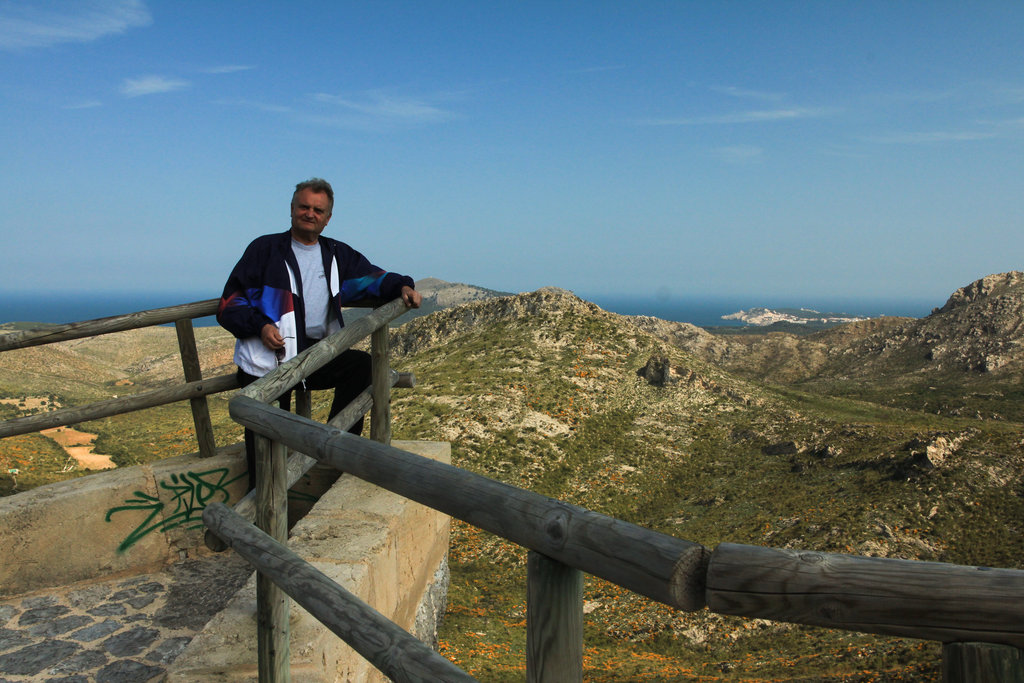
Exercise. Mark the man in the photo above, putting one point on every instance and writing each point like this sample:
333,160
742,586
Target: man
286,293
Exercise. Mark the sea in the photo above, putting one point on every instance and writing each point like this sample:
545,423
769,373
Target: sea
708,312
63,307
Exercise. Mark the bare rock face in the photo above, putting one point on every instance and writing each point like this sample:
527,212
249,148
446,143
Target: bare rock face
686,336
934,452
986,287
422,333
657,371
980,329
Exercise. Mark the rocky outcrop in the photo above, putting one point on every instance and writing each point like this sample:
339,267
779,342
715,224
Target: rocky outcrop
657,371
987,287
441,325
688,337
441,294
979,329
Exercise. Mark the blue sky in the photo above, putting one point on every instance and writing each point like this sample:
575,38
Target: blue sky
686,149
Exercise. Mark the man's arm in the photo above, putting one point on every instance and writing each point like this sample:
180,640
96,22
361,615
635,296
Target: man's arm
243,302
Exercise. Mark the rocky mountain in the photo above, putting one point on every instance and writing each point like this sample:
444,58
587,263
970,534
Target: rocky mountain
965,357
642,419
980,329
437,295
886,437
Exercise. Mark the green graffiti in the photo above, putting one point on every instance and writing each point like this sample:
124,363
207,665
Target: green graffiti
191,492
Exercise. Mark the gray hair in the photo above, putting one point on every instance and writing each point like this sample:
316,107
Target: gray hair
318,186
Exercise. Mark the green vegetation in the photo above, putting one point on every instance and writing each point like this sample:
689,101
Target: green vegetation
32,460
791,447
556,405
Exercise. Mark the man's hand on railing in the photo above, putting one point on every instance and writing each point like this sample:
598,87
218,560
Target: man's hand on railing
411,297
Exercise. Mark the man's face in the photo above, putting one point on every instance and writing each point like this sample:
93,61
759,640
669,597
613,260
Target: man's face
310,213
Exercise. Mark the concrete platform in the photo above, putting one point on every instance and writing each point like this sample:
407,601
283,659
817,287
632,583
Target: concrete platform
194,620
123,630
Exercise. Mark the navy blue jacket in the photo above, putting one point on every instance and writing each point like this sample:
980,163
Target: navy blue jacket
265,287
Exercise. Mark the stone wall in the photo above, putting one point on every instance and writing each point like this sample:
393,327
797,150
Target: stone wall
124,521
385,549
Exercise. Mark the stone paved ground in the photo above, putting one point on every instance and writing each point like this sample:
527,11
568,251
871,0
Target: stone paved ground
120,631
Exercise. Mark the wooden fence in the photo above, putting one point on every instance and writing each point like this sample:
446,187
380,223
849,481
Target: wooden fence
195,389
976,612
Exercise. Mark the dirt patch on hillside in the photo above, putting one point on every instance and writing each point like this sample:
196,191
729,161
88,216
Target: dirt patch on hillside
79,445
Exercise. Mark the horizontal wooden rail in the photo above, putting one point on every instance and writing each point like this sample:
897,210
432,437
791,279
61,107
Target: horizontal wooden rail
299,463
659,566
912,599
20,339
117,406
117,323
276,382
397,654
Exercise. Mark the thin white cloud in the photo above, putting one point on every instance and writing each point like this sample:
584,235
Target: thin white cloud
252,104
930,137
381,107
228,69
595,69
89,104
26,24
151,85
739,154
743,93
760,116
1011,93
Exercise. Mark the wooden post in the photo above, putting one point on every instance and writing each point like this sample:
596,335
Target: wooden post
303,402
299,463
380,413
982,663
193,373
554,621
271,601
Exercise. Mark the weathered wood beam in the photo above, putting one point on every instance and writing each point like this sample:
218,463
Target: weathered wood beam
659,566
117,406
982,663
117,323
276,382
912,599
554,621
397,654
193,373
273,642
380,412
20,339
299,463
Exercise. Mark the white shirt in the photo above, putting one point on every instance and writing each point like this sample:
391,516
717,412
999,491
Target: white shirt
315,295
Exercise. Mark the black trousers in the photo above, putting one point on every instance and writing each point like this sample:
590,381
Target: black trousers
348,375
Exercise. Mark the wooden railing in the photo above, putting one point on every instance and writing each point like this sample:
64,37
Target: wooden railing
195,389
977,612
950,603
